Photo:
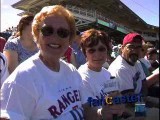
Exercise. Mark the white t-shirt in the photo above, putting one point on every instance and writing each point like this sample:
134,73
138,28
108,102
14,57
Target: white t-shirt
95,82
34,92
129,77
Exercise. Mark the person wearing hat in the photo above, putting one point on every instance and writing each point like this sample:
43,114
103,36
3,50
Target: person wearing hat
126,66
115,50
128,69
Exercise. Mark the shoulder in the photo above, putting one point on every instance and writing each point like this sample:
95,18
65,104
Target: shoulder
139,66
2,40
12,44
104,70
83,69
24,74
71,71
118,70
28,66
14,40
117,64
117,61
68,66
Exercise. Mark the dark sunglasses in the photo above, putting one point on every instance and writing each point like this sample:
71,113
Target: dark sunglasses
49,30
100,49
134,46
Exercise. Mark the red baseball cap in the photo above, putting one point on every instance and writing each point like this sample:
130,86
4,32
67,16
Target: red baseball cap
129,38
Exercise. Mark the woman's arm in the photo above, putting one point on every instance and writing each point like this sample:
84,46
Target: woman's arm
12,58
152,79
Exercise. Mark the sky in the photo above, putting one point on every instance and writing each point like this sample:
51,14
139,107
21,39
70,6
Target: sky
148,10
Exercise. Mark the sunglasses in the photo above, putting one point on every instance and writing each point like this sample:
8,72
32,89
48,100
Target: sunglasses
49,30
134,46
100,49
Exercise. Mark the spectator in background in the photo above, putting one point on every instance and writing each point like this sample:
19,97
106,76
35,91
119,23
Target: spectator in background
3,69
147,68
80,57
69,56
152,58
6,34
150,45
115,51
2,43
144,62
22,47
109,59
119,48
3,62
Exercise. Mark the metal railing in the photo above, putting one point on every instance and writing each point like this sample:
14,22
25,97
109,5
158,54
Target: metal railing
95,15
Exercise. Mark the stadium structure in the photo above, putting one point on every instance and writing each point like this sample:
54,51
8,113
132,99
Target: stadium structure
109,15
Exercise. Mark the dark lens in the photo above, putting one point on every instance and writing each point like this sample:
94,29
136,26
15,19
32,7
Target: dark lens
134,46
63,33
91,51
130,46
138,47
101,49
47,30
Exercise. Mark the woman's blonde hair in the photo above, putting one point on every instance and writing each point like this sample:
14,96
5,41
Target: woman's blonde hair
53,10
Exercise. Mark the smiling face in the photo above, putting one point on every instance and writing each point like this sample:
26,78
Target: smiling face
96,56
53,45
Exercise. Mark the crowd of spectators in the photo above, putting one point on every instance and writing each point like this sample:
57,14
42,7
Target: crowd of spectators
91,56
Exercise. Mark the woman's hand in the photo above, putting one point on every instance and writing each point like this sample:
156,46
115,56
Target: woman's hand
109,110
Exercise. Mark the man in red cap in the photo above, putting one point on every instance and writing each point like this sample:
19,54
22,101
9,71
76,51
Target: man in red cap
132,44
128,69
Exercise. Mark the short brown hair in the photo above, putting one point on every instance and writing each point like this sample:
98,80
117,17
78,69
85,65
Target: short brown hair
92,37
